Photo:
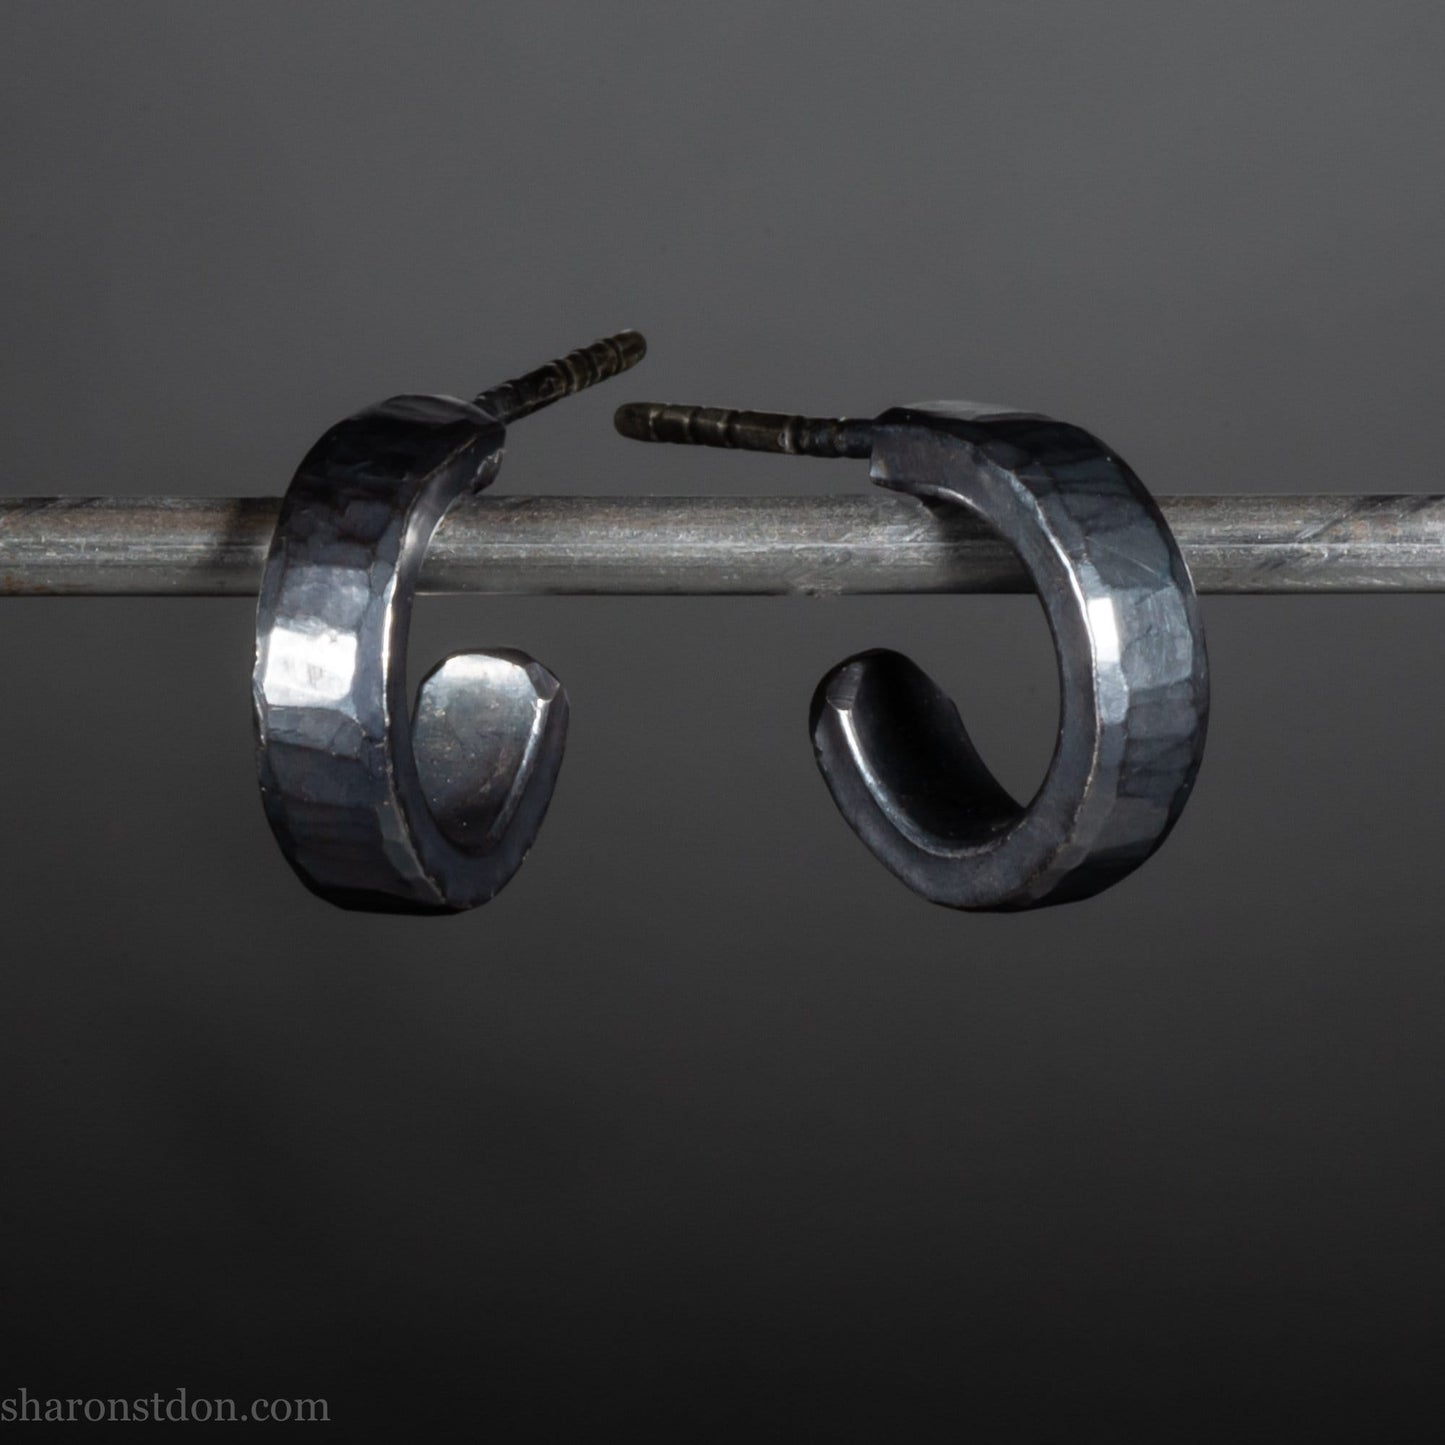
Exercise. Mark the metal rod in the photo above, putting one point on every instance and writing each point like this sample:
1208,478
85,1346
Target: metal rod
876,542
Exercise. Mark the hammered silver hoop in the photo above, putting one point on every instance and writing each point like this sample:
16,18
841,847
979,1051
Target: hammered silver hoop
376,809
1133,675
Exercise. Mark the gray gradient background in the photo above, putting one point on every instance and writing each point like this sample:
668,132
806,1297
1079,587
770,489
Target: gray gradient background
706,1127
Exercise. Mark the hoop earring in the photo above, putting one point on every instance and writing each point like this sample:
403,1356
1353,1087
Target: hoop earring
373,810
1133,673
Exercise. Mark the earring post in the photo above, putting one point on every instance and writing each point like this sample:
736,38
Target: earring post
566,376
750,431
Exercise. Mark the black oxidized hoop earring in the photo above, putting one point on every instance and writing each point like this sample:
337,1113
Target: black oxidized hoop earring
1120,604
372,809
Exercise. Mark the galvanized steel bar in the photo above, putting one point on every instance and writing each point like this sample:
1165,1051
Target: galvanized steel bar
874,542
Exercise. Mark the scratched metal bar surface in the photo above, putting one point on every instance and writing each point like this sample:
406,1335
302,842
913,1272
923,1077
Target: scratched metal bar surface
710,546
